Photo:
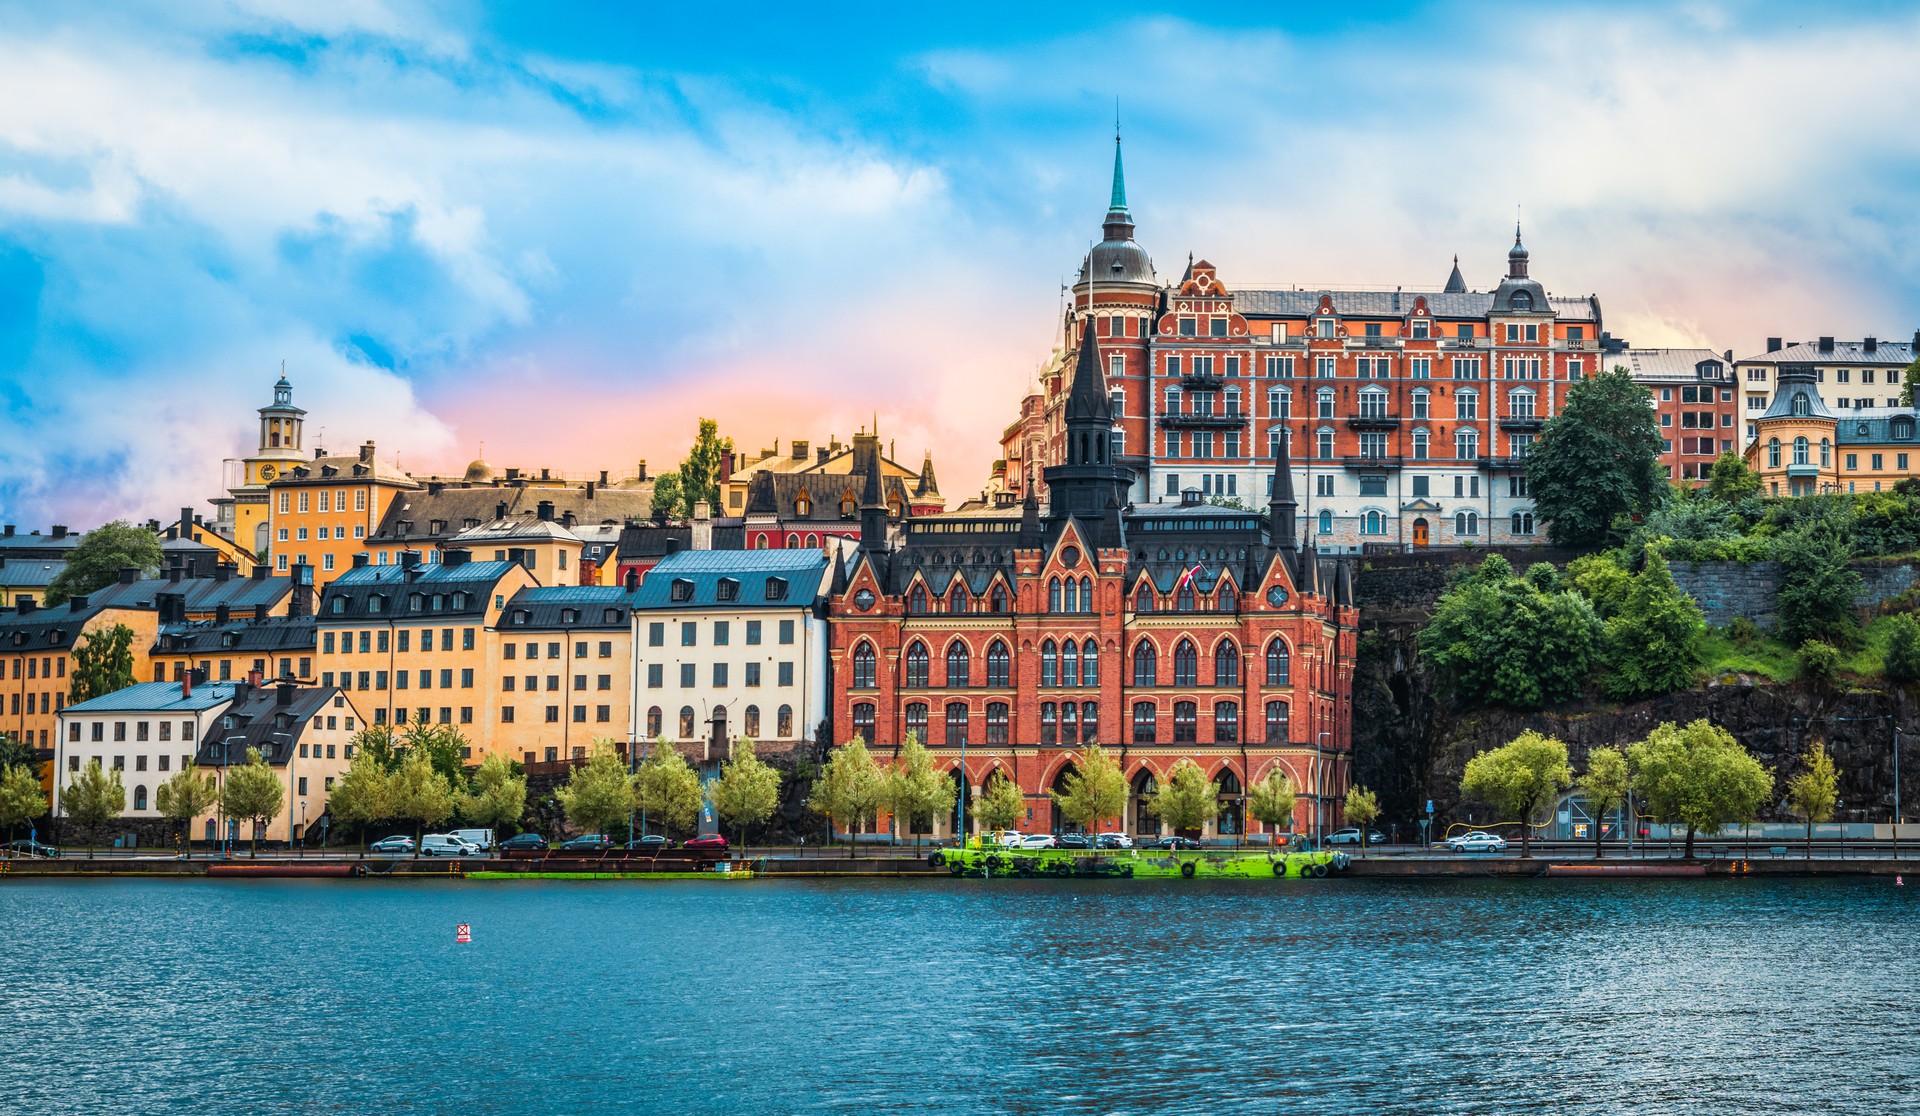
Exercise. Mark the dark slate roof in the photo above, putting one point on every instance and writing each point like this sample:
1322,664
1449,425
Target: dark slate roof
409,592
413,516
29,573
1397,304
260,721
702,572
642,541
776,494
274,634
1896,353
158,697
1797,384
1874,426
544,608
342,468
203,594
46,629
39,545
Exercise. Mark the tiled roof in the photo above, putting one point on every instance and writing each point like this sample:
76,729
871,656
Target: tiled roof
260,721
464,591
544,608
158,697
692,579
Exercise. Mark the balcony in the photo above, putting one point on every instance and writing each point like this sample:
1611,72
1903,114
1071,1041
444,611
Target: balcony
1373,422
1368,461
1373,342
1194,381
1522,423
1511,462
1464,343
1186,421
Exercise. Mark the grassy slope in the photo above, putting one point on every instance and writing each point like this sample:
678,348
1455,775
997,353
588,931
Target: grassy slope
1770,657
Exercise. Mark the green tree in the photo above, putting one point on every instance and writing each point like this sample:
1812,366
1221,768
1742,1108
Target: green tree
1903,649
1906,386
1697,776
15,752
1597,461
445,747
747,790
1730,480
1813,793
379,744
698,477
1817,587
184,797
252,792
848,789
1272,799
496,794
364,793
912,789
1095,790
20,798
1604,786
1819,661
667,789
667,500
1653,644
1505,640
1187,799
1000,804
102,663
96,560
1519,779
93,798
1602,580
599,794
1362,809
419,794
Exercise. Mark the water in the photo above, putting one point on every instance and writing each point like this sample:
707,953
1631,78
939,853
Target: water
959,996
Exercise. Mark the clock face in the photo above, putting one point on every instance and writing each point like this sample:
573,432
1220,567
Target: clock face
268,472
1277,596
1070,557
863,600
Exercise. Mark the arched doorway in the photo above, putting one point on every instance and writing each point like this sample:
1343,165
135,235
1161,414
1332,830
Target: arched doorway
1060,822
1420,531
1143,787
1232,820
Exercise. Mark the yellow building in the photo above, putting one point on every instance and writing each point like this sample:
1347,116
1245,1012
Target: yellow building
322,510
36,660
548,550
563,669
835,459
1802,447
245,510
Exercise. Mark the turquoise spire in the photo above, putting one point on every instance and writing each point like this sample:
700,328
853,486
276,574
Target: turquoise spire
1119,202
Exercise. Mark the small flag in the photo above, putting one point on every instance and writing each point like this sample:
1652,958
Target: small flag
1187,577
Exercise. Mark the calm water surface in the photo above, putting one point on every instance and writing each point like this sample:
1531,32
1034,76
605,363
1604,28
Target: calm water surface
965,996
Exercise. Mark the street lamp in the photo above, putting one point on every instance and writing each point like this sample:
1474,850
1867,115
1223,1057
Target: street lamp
1319,789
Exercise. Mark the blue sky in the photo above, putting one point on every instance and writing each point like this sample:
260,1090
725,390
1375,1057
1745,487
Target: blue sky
567,231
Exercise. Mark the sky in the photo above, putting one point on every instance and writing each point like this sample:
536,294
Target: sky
564,233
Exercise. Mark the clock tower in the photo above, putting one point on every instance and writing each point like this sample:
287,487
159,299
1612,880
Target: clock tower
281,448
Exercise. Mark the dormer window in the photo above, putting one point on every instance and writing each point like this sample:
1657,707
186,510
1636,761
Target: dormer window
521,616
439,602
460,601
339,606
611,616
847,506
1801,406
416,602
729,589
1903,429
776,588
376,604
1522,301
569,616
682,590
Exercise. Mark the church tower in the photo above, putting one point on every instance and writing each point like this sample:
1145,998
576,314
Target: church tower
282,446
1089,483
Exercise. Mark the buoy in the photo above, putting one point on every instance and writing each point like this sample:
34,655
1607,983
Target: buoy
463,934
1899,881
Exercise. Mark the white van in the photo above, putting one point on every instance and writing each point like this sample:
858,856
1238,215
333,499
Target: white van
481,839
446,844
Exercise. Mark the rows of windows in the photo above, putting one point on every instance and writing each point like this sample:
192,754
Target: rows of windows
1225,719
1226,664
752,632
720,675
750,724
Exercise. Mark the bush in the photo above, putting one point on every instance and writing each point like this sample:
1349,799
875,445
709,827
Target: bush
1743,631
1653,643
1504,640
1817,589
1819,662
1903,650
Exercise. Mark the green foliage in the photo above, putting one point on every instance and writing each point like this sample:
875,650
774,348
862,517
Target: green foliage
15,752
1502,640
102,663
848,790
748,791
418,793
364,793
666,789
1362,807
1759,654
1902,654
698,478
496,796
184,797
1652,646
1698,776
666,501
1817,589
1096,790
1519,779
911,790
1271,800
1596,461
599,794
1813,792
21,800
1000,804
444,746
1731,481
1601,579
1604,786
1187,799
96,560
253,792
379,744
1819,662
93,798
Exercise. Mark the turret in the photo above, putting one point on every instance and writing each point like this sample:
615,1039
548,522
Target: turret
1281,506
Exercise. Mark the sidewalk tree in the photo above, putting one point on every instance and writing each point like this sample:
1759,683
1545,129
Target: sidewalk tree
184,797
16,753
848,790
93,798
1362,809
1519,779
253,792
96,560
364,792
1001,804
1697,776
380,744
599,794
668,790
102,663
419,794
1597,461
496,795
445,747
1605,787
747,791
20,798
1271,800
911,789
1813,792
1187,799
1095,790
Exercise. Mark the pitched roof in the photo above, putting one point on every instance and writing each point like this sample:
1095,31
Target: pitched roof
778,494
641,541
693,579
260,721
29,573
203,594
1872,426
545,608
342,468
1674,365
463,590
513,530
413,516
158,697
1895,353
272,635
1397,304
46,629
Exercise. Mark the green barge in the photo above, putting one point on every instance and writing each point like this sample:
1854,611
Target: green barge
1239,864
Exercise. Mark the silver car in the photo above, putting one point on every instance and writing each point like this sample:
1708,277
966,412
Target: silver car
1477,842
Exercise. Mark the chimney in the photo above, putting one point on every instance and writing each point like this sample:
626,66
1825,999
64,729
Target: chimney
186,684
223,571
76,604
544,476
603,478
513,474
259,613
186,523
59,531
566,520
640,473
1773,344
702,525
284,694
673,547
820,456
546,511
1826,344
434,487
222,614
129,574
799,450
174,573
245,687
199,676
360,560
366,452
9,527
1871,344
254,677
260,572
455,557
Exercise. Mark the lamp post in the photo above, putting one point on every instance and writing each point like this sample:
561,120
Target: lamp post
1319,789
303,828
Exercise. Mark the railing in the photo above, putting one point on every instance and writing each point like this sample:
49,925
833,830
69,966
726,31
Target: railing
1464,343
1522,422
1232,418
1373,342
1373,422
1368,461
1196,381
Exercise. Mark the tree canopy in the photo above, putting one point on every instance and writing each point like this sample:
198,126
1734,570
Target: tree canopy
1697,776
1271,800
1817,586
1519,779
21,799
747,791
666,789
102,663
1187,799
184,797
1813,792
96,560
1730,480
93,798
1605,787
1597,461
252,791
599,795
418,793
1362,809
1506,640
911,789
697,479
1652,645
848,789
1000,804
1095,790
495,795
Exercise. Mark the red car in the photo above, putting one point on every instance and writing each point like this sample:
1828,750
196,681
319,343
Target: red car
711,842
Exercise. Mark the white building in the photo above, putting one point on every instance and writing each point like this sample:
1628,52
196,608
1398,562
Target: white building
1856,375
731,643
147,732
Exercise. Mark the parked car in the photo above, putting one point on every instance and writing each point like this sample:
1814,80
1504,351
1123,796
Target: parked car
392,845
1073,841
1009,838
446,844
481,839
524,842
649,843
1351,836
28,847
588,842
1113,841
1477,841
1175,843
706,842
1039,841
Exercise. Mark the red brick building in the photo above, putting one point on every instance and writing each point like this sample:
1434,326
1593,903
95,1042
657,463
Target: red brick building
1016,637
1694,403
